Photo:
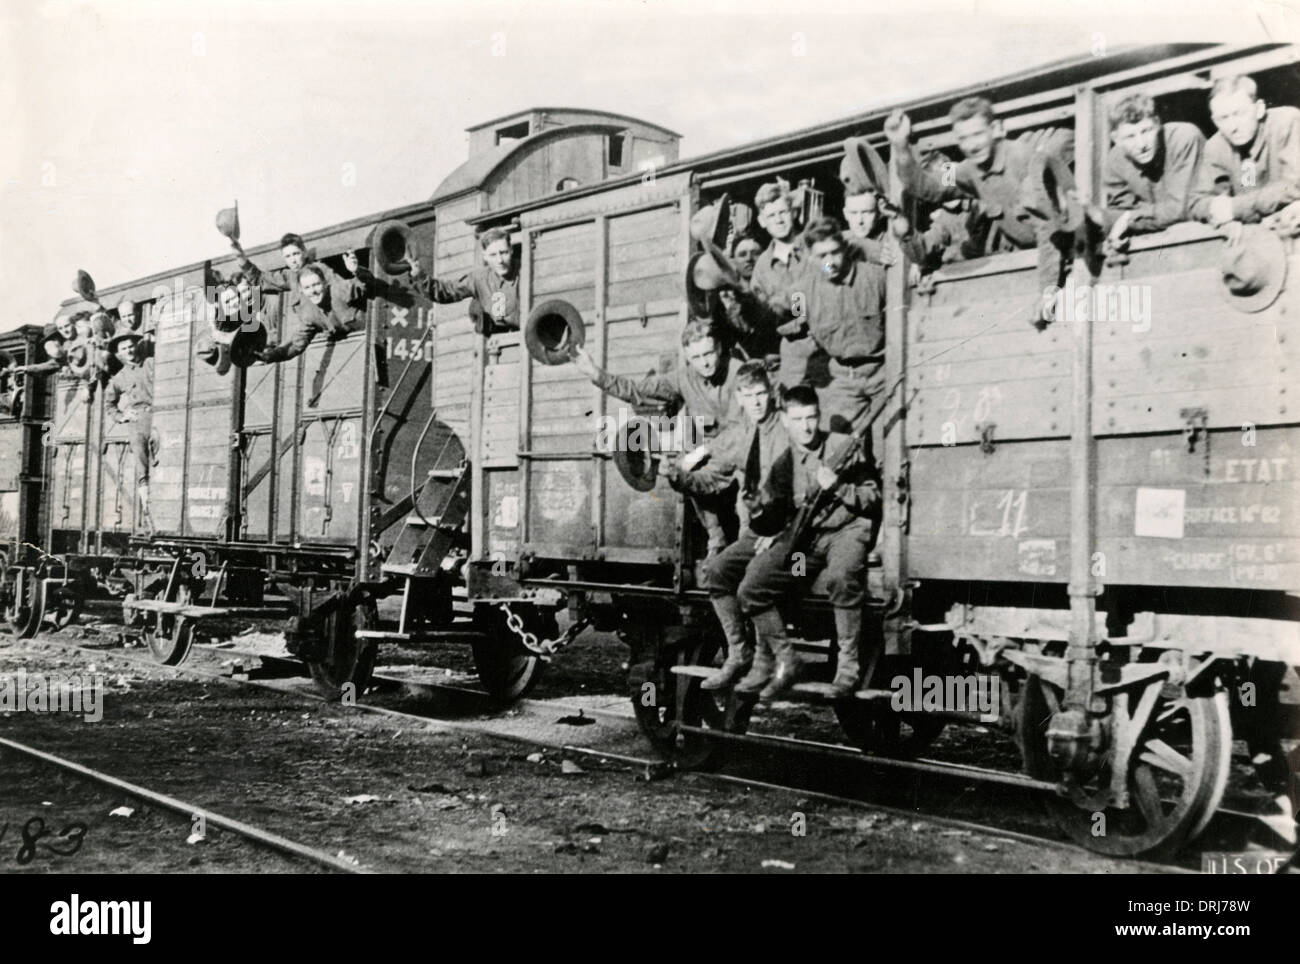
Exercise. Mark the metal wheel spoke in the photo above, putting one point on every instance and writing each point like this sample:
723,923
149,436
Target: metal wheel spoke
1148,796
1160,754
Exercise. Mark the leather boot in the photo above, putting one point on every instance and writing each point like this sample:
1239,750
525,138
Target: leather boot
770,627
761,671
848,629
739,653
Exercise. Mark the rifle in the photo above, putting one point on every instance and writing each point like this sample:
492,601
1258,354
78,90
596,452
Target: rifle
816,498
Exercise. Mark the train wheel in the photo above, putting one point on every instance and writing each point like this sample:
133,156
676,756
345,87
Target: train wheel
1177,771
170,637
876,727
508,671
662,699
27,608
349,660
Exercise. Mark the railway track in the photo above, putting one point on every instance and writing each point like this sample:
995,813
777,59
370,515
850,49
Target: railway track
613,736
189,811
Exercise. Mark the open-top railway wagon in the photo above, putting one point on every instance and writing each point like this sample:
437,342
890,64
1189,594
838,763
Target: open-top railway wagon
1100,516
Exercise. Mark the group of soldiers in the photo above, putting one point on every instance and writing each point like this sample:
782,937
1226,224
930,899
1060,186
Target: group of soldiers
784,346
804,316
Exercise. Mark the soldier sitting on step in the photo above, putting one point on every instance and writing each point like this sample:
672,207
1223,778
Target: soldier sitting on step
839,540
748,449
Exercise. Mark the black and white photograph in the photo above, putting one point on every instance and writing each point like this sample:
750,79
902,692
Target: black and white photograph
620,437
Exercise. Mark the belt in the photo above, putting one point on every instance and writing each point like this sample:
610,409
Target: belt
857,367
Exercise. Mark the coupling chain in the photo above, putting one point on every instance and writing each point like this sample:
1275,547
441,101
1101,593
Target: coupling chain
546,648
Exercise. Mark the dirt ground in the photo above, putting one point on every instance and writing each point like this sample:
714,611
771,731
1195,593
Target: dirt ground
398,797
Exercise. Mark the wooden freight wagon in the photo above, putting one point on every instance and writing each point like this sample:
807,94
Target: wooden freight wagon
1101,513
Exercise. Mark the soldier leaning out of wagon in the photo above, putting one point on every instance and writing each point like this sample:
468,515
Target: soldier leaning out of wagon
494,285
128,400
1251,169
838,542
236,330
293,249
999,173
56,339
703,389
1150,170
333,308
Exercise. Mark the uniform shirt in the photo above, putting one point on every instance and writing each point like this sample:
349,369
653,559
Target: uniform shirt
1268,184
947,239
795,473
497,298
845,315
344,311
1160,193
713,398
1000,187
130,390
768,302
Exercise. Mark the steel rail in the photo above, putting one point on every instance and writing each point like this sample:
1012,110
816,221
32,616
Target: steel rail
264,837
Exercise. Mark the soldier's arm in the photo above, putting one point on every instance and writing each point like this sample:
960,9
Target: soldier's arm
1283,185
41,368
859,490
264,280
302,337
1120,198
446,292
1182,165
112,396
925,185
655,388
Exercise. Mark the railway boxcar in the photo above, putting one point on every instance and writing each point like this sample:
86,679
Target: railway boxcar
1100,514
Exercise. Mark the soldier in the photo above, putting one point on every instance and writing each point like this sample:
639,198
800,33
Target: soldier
999,173
57,338
752,332
1251,169
774,276
845,301
332,308
994,170
126,318
128,400
704,389
494,285
294,251
839,540
1150,170
747,448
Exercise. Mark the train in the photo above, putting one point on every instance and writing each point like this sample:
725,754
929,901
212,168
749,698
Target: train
1100,516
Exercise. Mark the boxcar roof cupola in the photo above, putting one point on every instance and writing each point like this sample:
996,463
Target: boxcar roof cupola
526,155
